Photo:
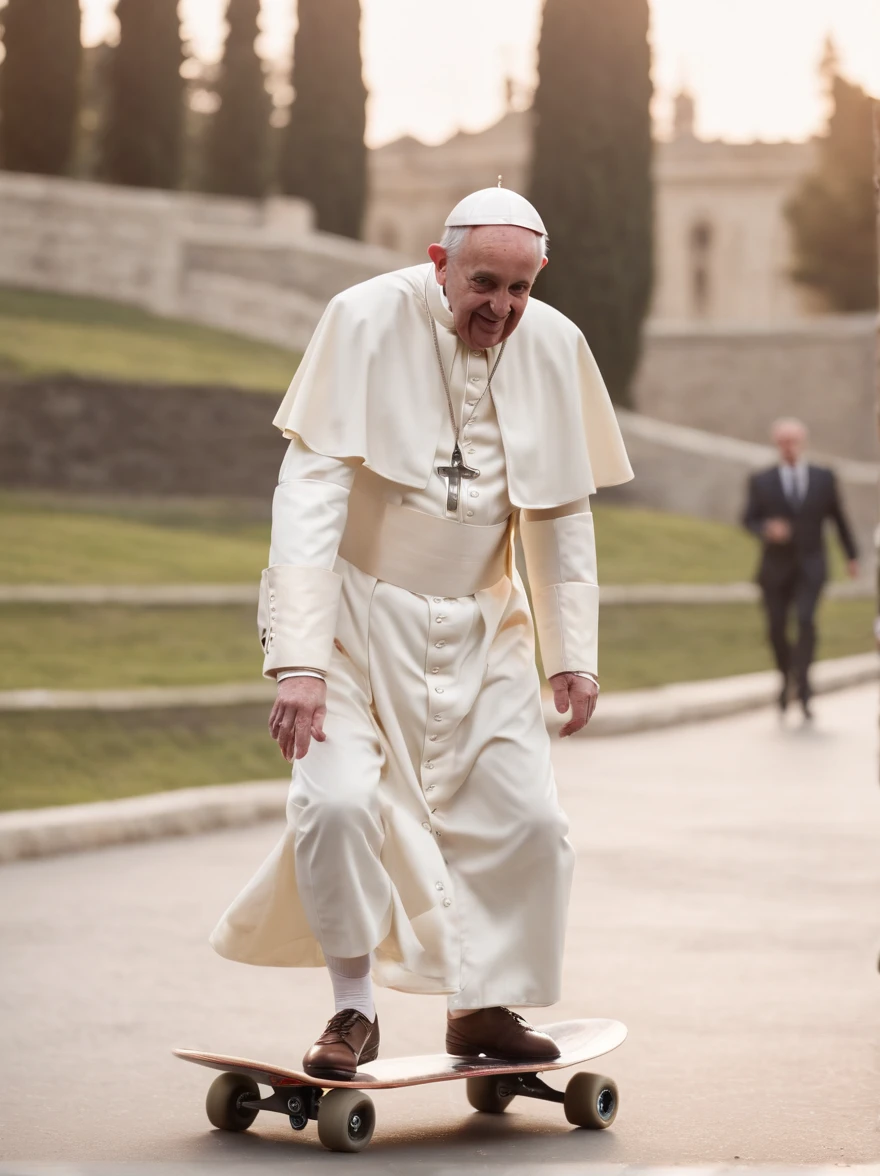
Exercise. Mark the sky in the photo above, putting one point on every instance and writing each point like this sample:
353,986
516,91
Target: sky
436,66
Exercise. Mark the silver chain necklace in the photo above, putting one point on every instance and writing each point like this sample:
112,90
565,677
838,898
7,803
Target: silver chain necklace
457,468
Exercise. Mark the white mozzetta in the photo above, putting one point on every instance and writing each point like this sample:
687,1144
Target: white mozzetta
363,390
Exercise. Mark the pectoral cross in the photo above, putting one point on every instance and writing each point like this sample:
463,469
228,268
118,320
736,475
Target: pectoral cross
453,474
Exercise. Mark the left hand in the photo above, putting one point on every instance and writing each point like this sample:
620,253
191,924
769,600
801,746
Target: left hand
579,694
852,569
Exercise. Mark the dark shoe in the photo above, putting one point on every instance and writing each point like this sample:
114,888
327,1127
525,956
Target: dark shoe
782,701
807,709
348,1041
498,1033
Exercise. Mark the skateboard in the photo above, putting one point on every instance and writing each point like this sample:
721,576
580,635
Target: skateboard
345,1113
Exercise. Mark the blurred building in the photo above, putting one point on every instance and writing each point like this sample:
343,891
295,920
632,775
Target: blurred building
722,241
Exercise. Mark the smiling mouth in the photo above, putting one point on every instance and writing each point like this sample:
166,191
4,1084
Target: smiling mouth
488,321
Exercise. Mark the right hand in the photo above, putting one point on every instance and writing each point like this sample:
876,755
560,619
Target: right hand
298,715
777,531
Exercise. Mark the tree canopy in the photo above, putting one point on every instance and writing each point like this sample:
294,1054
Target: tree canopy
323,155
39,85
832,215
235,151
143,133
591,174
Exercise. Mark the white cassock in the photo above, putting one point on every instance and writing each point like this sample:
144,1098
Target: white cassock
426,829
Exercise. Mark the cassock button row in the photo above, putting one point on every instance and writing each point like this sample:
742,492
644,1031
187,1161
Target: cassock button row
429,764
470,512
433,738
438,599
438,718
438,690
438,886
475,494
476,353
426,826
430,788
439,644
435,669
447,902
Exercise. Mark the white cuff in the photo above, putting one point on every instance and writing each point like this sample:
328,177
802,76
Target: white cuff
297,617
282,674
567,620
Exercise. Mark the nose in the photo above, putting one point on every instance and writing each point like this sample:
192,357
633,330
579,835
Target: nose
500,304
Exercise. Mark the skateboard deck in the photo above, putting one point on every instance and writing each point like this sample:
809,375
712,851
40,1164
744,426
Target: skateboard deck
578,1041
344,1111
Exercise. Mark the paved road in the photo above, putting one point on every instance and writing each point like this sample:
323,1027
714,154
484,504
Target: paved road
726,907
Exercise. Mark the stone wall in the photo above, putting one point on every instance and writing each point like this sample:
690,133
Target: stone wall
64,435
691,472
203,258
737,380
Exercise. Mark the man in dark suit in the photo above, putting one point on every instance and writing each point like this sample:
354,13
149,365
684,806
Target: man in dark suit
787,508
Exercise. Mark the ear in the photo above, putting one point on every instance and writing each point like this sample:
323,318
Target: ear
437,254
544,261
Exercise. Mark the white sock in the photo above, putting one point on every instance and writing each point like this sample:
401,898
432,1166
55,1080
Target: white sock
352,984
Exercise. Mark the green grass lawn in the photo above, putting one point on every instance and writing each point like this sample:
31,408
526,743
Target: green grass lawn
50,334
70,757
90,647
649,645
66,757
68,546
52,540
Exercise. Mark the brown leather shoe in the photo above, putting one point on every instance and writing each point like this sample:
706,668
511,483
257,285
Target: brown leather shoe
348,1041
498,1033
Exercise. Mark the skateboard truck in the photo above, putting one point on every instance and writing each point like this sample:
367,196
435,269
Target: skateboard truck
528,1086
299,1106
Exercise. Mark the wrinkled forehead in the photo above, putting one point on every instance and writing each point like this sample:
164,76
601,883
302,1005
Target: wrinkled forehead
501,248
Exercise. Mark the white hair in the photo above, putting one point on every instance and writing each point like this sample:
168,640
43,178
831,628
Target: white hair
785,424
454,237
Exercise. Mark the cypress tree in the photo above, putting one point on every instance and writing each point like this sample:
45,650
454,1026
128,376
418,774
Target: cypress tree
832,214
591,174
235,163
143,133
323,156
39,85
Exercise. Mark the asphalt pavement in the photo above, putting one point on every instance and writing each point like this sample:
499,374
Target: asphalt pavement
726,907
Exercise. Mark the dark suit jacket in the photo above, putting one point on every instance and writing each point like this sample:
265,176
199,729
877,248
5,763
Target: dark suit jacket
805,553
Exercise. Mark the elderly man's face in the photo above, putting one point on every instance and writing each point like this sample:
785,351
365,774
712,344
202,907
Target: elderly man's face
488,281
790,439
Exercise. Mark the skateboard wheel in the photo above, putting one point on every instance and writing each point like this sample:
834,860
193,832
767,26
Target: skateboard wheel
591,1101
491,1093
225,1096
346,1119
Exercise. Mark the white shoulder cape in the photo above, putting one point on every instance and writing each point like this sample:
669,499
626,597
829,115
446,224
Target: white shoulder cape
369,387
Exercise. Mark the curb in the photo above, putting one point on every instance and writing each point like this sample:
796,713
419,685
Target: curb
630,711
140,698
209,595
31,833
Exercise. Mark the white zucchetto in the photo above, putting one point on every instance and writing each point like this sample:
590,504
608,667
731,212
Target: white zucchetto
496,206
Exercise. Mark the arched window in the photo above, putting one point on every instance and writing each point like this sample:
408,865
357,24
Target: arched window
700,255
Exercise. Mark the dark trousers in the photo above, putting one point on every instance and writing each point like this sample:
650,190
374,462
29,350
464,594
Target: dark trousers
799,590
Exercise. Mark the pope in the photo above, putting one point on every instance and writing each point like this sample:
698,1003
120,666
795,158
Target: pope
437,411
